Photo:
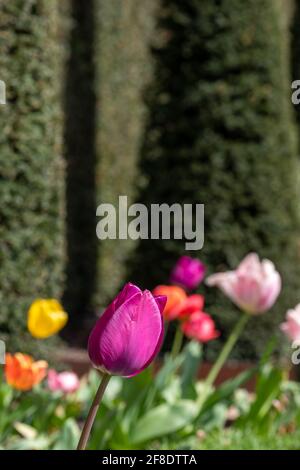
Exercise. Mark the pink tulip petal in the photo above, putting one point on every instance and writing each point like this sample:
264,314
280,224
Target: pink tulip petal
269,293
291,327
53,382
250,264
254,286
69,382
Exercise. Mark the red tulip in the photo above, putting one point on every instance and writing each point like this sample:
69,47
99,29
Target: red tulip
200,326
192,304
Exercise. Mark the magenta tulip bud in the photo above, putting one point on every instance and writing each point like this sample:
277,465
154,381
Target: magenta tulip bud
291,327
254,286
128,335
188,272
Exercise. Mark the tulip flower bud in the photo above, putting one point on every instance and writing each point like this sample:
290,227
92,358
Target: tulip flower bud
128,335
291,327
22,372
175,298
66,382
46,317
192,304
254,286
188,272
201,327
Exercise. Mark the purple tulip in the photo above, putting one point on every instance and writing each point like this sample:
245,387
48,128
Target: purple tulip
188,272
128,335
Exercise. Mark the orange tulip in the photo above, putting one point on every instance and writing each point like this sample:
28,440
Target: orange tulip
22,372
175,297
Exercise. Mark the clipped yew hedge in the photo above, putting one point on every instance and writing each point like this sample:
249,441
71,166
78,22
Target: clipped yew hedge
221,132
31,169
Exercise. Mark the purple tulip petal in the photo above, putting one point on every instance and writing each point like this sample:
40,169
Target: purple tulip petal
95,336
128,291
188,272
128,335
161,301
159,342
94,340
132,336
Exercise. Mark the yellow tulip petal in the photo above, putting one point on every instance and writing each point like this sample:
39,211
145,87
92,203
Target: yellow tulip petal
46,317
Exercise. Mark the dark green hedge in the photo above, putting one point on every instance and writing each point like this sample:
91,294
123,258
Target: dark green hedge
80,156
295,48
220,132
31,170
106,72
122,61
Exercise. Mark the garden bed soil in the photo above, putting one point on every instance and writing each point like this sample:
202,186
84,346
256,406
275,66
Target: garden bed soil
78,361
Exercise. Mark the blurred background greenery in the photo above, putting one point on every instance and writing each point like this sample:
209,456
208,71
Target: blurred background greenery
162,101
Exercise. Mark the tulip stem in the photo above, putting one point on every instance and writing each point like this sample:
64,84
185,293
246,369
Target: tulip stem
177,343
92,413
227,348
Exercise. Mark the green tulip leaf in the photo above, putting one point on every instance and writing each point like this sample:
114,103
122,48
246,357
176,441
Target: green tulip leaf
227,389
190,366
69,436
163,420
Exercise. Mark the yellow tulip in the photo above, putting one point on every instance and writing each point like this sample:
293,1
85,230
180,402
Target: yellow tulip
46,317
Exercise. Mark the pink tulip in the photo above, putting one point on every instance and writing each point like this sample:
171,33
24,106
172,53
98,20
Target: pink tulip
188,272
66,382
291,327
200,326
128,335
254,286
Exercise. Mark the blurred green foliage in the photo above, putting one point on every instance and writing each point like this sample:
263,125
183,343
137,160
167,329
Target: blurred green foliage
246,439
31,168
158,410
221,132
